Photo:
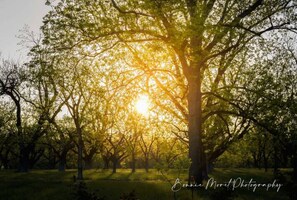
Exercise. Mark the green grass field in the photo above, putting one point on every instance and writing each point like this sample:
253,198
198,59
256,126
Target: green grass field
53,185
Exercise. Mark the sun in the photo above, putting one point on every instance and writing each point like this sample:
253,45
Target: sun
142,105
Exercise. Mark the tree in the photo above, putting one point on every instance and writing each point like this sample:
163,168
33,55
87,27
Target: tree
61,140
42,95
7,140
10,81
202,43
78,95
132,140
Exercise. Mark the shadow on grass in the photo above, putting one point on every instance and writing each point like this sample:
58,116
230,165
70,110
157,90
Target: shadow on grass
50,184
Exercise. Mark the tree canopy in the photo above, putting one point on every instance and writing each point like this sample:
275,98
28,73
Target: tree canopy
213,70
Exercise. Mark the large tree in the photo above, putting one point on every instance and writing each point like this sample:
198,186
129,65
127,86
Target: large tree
191,51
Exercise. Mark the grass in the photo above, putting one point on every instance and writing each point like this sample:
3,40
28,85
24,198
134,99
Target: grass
53,185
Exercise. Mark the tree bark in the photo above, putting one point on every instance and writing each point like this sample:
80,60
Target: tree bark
51,159
146,164
88,162
275,156
24,158
80,155
5,160
294,163
265,160
193,73
256,160
133,163
24,154
62,162
197,171
106,162
114,165
89,157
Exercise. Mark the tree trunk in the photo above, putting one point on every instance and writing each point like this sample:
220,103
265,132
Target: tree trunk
256,160
89,157
146,164
24,158
114,165
62,162
88,162
5,164
294,165
265,160
285,158
133,163
28,156
5,159
265,163
24,154
51,159
106,162
197,171
80,156
294,169
275,156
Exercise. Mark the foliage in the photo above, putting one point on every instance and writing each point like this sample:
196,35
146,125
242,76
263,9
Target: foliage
203,54
213,71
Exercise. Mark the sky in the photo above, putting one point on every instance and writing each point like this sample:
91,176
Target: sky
14,16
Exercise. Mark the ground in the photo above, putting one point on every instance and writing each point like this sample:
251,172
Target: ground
53,185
